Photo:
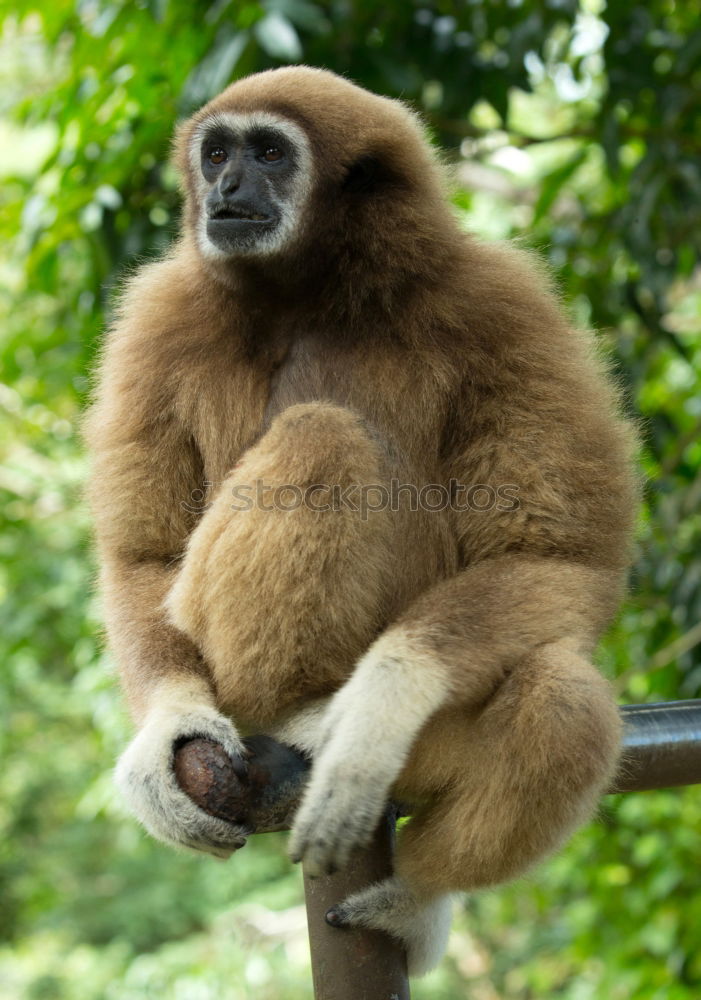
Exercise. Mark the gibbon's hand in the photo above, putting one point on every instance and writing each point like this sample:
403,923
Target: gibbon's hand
146,779
365,739
347,792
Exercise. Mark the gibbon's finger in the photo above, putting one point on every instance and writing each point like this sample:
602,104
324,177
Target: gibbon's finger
339,814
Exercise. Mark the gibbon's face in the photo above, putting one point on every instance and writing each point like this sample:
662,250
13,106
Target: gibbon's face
253,176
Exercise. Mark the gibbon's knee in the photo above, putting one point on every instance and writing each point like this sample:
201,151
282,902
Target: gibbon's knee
523,773
323,445
288,577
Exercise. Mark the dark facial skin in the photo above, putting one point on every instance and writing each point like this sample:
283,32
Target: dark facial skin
250,177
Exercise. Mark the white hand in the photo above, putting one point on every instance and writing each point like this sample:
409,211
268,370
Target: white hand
366,736
146,779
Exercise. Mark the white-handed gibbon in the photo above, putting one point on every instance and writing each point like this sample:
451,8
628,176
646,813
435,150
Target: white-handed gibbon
334,365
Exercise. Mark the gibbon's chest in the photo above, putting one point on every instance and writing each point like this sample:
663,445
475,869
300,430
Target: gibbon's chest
396,390
386,383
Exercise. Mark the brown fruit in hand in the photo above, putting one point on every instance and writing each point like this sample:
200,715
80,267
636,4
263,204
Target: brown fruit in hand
206,773
261,794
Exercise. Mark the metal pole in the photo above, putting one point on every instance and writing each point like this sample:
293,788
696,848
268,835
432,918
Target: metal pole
661,746
347,964
355,964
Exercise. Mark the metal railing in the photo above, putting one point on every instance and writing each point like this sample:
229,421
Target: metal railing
661,749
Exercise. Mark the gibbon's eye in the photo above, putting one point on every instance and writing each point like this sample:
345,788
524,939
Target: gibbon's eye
216,155
272,154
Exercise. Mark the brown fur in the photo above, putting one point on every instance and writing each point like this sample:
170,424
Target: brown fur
385,342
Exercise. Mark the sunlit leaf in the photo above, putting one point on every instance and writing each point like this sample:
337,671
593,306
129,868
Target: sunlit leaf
278,37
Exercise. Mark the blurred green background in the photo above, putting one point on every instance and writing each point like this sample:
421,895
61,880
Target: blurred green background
575,127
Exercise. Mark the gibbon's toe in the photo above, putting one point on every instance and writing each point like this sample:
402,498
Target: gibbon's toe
422,926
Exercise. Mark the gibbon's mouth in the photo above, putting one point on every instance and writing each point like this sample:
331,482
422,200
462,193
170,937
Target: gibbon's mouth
231,213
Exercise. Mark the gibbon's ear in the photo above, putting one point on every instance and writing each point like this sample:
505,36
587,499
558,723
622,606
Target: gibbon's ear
367,174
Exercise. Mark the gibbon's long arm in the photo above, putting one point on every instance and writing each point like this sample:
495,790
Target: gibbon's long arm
144,471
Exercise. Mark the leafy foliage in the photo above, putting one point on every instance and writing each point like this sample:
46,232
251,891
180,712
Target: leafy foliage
576,128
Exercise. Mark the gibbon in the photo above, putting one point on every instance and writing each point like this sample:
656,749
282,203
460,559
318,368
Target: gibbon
359,484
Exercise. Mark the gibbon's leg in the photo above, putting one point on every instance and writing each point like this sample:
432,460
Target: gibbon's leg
303,727
527,771
502,642
298,564
506,784
453,646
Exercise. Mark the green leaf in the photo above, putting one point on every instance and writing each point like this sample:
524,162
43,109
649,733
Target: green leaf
556,181
278,37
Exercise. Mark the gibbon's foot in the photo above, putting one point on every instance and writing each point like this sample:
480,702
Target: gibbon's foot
146,778
422,926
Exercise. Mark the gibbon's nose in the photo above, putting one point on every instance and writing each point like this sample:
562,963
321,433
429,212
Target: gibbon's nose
230,180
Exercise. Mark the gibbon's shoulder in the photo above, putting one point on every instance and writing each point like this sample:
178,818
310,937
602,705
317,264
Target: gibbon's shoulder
505,280
503,304
166,319
166,297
